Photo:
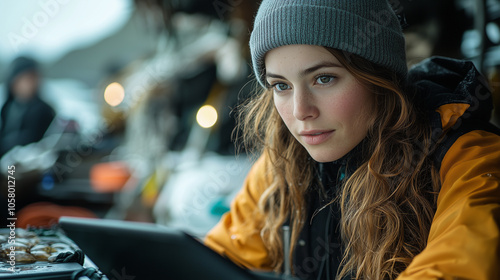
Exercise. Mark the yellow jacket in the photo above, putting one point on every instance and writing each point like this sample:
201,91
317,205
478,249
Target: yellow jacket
464,239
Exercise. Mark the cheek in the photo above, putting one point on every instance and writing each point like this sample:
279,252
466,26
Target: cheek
357,107
284,108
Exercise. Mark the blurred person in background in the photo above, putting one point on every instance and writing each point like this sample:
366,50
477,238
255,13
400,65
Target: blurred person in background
24,116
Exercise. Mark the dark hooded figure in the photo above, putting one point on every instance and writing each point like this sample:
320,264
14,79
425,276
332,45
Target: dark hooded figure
24,117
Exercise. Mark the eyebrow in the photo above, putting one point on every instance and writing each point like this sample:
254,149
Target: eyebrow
307,71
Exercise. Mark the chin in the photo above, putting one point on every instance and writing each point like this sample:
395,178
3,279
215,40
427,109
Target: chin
325,157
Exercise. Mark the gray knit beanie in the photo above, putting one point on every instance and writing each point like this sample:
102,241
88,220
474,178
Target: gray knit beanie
368,28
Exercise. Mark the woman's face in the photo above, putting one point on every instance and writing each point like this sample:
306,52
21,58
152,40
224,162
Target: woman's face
325,108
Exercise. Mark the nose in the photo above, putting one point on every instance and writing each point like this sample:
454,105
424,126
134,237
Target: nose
304,105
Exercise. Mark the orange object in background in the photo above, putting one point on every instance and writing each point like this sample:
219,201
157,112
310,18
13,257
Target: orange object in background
109,176
46,214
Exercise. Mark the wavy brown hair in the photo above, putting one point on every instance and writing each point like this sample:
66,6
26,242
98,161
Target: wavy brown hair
387,203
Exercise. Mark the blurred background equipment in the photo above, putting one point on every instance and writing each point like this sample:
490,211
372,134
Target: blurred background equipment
143,96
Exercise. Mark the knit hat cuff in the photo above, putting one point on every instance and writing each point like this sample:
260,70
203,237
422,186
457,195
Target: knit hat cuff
372,38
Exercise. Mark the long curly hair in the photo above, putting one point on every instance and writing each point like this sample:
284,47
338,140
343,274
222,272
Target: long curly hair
389,198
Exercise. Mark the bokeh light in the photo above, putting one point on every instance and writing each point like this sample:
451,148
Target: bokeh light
114,94
206,116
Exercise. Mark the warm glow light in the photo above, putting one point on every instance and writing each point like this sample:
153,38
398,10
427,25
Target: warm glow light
114,94
206,116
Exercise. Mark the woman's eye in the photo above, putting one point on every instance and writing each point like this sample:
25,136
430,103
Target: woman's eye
324,79
281,86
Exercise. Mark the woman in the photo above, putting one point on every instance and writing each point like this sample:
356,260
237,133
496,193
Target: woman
379,173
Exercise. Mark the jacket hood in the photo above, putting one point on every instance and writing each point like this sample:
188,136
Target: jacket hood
439,81
457,98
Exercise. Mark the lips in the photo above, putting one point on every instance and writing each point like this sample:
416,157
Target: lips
315,137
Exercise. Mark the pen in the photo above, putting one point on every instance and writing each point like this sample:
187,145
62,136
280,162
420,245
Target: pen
286,248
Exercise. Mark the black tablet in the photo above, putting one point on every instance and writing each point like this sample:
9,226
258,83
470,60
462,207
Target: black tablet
133,250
